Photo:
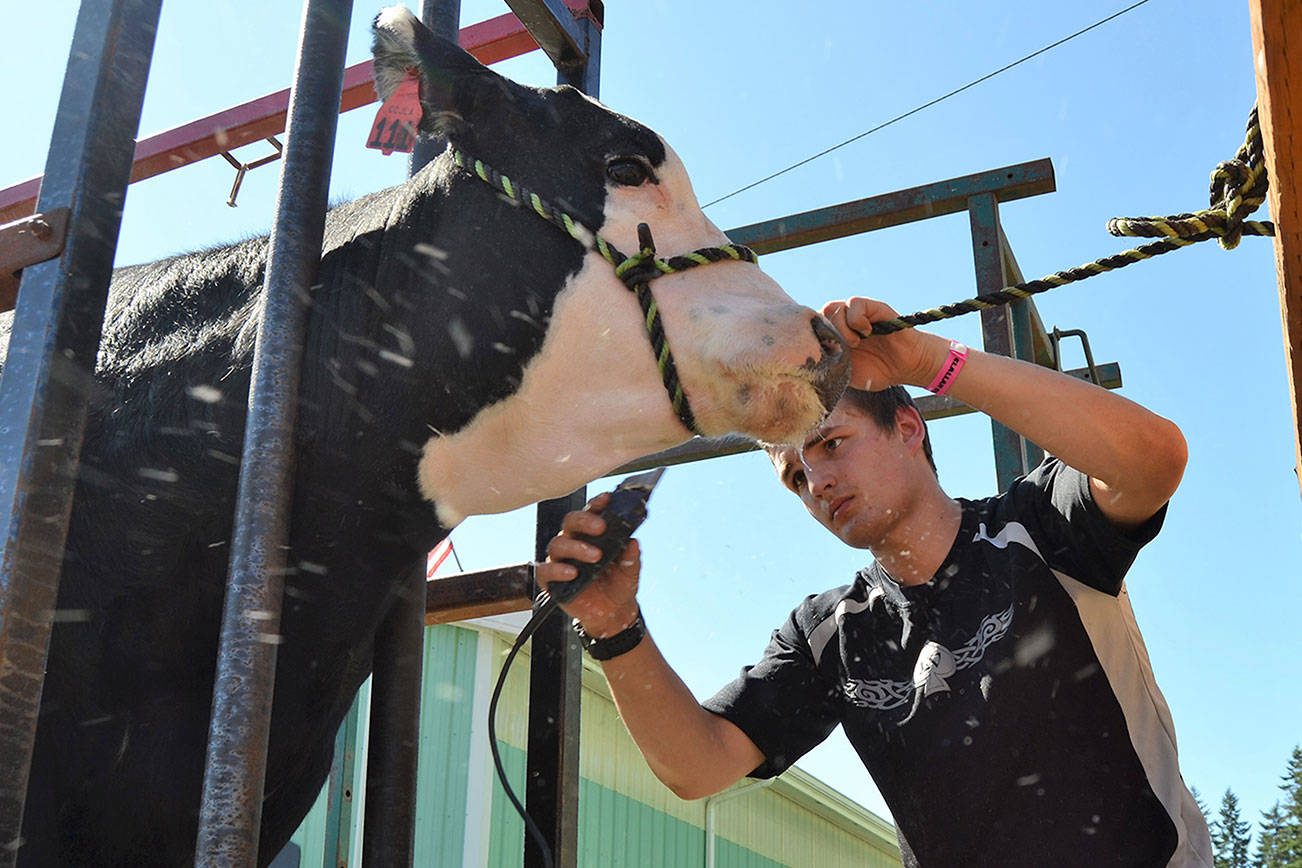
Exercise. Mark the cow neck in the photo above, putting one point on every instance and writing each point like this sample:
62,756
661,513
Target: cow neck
636,271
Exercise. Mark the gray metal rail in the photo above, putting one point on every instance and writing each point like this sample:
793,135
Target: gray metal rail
230,813
48,372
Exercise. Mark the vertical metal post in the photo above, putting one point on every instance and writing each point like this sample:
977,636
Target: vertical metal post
555,691
393,748
389,830
51,360
1005,330
230,814
556,660
443,17
586,76
342,793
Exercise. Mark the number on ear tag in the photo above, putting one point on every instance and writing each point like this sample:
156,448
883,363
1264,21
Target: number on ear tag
396,121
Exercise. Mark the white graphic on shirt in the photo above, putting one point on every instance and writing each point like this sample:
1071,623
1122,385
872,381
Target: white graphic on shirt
823,633
935,664
1013,532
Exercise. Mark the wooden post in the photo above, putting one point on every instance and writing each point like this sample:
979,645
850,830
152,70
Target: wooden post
1277,51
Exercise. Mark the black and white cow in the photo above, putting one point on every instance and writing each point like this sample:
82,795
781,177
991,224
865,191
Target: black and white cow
463,356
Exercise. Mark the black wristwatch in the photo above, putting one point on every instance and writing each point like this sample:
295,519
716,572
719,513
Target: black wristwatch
612,646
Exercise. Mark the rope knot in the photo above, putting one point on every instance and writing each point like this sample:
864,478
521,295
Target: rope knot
642,267
1238,186
1226,196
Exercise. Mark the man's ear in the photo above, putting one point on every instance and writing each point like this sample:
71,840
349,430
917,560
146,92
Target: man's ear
911,428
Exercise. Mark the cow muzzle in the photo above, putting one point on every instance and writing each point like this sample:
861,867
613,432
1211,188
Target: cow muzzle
830,373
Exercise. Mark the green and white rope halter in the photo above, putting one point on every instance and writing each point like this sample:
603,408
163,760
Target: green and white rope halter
636,271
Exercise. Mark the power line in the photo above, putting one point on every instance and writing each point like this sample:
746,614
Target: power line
927,105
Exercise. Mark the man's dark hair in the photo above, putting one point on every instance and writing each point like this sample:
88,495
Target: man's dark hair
882,406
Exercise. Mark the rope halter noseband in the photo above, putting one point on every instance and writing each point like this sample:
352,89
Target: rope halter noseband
636,271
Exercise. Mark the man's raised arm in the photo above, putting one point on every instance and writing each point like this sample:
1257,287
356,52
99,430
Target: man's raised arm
1134,457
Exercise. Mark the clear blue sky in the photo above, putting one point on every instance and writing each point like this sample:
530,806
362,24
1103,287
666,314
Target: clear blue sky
1134,116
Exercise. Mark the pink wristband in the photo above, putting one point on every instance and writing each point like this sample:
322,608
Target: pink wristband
949,371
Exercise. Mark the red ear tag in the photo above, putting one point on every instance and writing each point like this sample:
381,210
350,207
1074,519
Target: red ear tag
396,121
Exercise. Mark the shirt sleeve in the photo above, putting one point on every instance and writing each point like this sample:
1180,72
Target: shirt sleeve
1073,534
783,703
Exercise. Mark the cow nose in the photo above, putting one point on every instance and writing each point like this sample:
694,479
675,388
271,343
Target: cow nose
833,370
829,339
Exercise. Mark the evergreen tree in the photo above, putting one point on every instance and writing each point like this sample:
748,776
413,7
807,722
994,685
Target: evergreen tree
1231,835
1280,843
1202,806
1290,831
1268,853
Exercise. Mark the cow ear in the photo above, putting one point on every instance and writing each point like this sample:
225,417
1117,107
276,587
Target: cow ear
450,79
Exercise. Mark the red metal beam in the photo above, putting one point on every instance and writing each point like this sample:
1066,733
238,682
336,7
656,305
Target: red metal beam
489,41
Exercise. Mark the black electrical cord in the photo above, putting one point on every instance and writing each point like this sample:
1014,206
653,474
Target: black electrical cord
544,608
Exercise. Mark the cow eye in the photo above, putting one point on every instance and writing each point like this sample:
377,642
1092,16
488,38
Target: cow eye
628,172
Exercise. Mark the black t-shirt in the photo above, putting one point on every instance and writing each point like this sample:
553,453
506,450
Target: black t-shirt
1006,709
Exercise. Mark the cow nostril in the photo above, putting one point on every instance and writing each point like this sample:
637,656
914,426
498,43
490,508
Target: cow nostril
829,339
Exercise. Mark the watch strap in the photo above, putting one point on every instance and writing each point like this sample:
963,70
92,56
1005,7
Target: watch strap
612,646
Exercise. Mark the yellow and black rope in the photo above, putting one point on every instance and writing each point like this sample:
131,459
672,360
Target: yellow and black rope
1237,188
636,271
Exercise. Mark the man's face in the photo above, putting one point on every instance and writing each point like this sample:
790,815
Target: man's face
852,476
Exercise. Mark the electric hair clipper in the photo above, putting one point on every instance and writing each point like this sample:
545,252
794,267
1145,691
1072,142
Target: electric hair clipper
624,513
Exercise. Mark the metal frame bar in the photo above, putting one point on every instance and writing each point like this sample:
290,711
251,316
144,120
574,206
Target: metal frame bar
25,242
1005,330
896,208
555,693
479,594
47,377
393,741
230,813
393,748
341,798
558,26
556,660
489,41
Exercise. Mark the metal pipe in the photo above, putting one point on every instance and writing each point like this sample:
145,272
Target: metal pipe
48,373
342,792
230,813
710,813
1056,338
443,17
556,661
999,329
895,208
555,694
393,749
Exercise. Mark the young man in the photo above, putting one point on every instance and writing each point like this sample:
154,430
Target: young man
986,666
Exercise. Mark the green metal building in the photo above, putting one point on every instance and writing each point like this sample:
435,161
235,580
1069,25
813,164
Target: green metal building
626,816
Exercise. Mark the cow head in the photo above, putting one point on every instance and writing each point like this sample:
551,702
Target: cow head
587,394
